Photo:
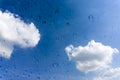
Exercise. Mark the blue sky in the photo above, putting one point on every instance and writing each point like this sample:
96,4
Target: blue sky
60,24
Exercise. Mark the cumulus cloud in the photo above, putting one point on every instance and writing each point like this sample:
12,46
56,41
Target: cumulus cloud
92,57
14,31
109,74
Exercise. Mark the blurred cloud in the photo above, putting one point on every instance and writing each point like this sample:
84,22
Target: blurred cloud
91,58
14,31
109,74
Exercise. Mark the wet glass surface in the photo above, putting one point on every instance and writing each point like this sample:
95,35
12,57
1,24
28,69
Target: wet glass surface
60,23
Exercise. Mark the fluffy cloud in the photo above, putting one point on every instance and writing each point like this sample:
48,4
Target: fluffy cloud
109,74
92,57
14,31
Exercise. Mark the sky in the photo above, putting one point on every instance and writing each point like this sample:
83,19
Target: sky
59,40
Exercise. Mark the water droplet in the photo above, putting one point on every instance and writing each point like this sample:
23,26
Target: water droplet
44,22
91,17
55,65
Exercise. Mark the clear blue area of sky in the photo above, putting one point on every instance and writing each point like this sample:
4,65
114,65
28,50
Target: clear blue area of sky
61,23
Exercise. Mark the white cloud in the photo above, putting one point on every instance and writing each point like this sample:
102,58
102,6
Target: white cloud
109,74
92,57
14,31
